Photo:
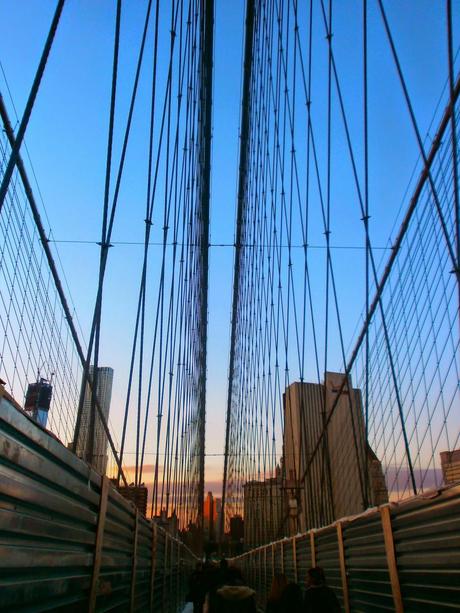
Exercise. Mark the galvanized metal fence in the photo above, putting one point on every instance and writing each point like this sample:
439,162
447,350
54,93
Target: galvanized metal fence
398,557
69,540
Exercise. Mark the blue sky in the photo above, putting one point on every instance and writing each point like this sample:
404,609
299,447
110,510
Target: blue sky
67,141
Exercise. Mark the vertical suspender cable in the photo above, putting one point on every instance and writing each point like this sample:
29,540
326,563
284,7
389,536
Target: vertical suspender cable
366,226
326,461
242,175
205,147
103,259
453,121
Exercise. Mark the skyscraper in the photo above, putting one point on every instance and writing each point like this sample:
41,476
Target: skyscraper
342,473
218,513
450,466
104,386
236,528
38,400
210,516
263,511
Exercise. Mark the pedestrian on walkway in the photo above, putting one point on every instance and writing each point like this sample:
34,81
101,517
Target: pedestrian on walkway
291,599
319,597
233,597
279,583
197,588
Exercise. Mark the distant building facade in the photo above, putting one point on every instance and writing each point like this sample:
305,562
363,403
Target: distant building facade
450,465
236,528
38,400
342,469
263,510
137,494
210,517
218,514
169,523
104,385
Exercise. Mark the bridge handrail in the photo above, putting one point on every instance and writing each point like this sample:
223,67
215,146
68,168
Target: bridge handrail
401,555
70,538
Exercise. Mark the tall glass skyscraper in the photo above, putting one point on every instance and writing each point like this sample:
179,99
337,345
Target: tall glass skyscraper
104,385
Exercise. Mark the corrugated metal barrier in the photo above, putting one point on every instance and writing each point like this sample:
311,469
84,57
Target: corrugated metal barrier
69,541
398,557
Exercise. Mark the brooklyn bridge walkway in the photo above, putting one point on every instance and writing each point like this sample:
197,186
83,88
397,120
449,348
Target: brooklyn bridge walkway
235,270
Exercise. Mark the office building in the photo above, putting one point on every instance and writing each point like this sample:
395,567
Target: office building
341,471
104,385
450,465
218,514
38,400
263,511
168,523
236,528
211,517
137,494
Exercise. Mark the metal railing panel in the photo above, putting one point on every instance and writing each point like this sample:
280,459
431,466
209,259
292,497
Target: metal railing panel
54,510
369,581
288,560
327,556
303,555
427,544
397,557
48,517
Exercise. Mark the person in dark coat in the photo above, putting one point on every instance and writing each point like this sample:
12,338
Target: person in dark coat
291,599
279,583
284,597
319,597
233,597
223,573
197,588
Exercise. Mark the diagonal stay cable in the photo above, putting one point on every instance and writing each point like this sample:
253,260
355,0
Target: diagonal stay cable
30,103
455,262
45,243
398,241
102,262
